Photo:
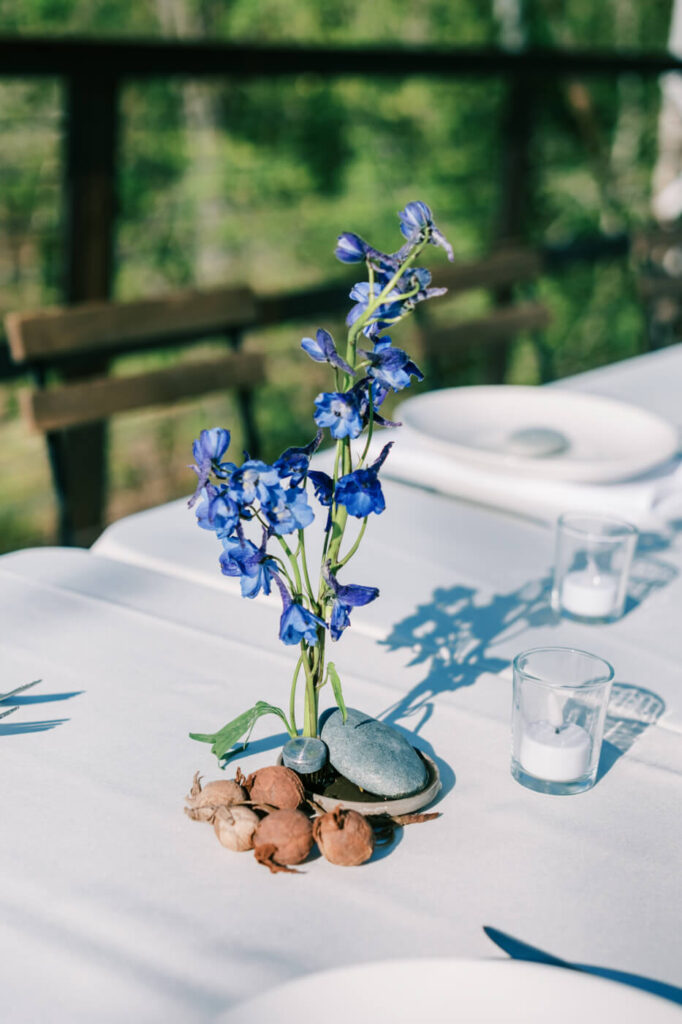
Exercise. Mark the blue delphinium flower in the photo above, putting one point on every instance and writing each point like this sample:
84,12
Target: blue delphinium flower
361,491
389,310
340,411
417,281
242,558
362,390
254,481
350,248
294,462
217,511
415,220
297,623
323,350
345,598
208,450
289,512
390,366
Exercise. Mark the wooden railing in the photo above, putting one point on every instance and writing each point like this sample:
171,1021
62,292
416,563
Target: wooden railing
94,73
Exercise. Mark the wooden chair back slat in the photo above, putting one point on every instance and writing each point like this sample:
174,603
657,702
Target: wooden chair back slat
49,334
76,344
97,399
500,325
501,269
446,347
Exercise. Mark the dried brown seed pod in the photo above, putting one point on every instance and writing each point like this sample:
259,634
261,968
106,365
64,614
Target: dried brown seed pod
344,837
202,802
276,785
282,838
235,826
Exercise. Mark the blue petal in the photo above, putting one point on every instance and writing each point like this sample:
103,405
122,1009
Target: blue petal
324,486
310,346
340,620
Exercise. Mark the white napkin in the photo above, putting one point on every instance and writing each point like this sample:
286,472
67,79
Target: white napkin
649,501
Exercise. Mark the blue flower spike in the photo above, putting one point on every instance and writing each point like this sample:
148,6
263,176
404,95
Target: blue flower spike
341,412
293,463
390,366
350,248
242,558
297,623
323,350
289,512
254,481
416,220
234,502
361,491
345,598
217,511
208,450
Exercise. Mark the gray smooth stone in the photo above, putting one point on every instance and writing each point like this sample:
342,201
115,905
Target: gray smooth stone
304,754
373,755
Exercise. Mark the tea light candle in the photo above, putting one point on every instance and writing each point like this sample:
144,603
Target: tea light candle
556,753
590,594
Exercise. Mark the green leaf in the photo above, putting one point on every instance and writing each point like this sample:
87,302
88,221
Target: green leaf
225,738
336,687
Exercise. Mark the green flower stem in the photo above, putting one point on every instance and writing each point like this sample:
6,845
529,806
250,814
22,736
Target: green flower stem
310,705
283,569
370,430
347,557
304,564
343,465
373,305
294,565
292,696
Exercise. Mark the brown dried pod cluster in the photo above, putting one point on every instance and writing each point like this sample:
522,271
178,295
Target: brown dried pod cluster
283,838
276,785
235,827
203,801
262,813
344,837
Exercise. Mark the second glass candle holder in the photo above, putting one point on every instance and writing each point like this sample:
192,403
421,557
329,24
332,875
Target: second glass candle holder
591,566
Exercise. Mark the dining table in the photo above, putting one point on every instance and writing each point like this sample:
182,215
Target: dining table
115,906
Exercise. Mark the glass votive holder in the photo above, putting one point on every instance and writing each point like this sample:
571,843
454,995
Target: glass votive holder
591,566
558,714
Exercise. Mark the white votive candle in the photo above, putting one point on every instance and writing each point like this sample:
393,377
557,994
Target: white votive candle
556,753
592,595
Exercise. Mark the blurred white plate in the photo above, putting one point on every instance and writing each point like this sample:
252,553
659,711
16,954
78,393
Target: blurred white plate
605,440
448,991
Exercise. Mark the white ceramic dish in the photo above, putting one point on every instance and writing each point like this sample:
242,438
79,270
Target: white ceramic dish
449,991
489,426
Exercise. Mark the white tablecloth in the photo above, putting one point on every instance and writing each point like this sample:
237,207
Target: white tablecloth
482,575
114,906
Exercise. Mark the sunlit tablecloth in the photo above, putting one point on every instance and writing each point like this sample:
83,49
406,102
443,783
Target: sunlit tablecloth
114,906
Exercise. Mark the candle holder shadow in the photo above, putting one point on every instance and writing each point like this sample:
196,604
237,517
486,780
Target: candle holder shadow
632,709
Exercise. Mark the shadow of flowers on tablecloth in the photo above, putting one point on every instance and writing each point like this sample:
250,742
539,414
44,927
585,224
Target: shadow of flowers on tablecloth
451,635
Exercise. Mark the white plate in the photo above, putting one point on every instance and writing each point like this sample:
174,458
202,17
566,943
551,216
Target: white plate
605,440
448,991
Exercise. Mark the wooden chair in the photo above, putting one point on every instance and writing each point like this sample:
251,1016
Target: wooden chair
501,273
67,351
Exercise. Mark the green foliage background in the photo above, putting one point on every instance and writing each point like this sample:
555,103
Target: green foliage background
251,181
